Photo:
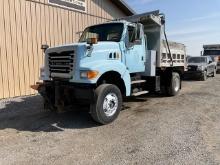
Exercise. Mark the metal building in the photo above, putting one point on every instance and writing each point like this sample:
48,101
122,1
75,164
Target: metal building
26,24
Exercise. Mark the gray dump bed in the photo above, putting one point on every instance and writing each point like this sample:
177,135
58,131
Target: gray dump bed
178,54
154,27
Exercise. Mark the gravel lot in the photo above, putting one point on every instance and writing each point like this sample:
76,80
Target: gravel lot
150,130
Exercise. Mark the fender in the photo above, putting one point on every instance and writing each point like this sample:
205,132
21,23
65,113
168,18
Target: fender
103,66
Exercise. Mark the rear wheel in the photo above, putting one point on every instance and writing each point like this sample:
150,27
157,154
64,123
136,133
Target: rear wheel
175,85
108,103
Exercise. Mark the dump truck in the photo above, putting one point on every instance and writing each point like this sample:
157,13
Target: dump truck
214,52
126,57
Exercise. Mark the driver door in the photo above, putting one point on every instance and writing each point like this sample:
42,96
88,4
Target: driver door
135,50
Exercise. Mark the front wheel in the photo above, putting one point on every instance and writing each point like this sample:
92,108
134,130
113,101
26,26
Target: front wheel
108,103
204,76
175,85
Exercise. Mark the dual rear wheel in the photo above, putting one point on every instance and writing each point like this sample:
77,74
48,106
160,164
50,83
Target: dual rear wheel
174,85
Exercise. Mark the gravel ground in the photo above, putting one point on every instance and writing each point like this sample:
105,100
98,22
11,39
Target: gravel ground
150,130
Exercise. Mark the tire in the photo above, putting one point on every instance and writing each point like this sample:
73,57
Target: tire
204,76
214,73
108,104
175,85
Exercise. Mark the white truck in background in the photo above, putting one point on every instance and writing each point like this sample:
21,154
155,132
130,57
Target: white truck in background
214,52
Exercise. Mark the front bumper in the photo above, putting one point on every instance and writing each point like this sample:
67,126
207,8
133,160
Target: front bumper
193,74
60,93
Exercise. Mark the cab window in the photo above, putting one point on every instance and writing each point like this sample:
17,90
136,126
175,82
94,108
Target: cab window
138,36
132,34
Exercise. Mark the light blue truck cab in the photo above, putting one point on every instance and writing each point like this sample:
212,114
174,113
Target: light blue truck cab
111,61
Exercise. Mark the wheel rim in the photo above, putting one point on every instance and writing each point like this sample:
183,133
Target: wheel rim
110,104
176,84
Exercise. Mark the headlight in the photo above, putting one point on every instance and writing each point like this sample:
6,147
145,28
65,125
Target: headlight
201,68
89,74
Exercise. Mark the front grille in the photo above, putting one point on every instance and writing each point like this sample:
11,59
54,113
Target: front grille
61,64
192,68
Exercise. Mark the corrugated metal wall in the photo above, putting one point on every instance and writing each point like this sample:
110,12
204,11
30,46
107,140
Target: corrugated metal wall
26,24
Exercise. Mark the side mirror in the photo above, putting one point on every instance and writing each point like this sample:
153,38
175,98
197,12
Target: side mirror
210,62
92,41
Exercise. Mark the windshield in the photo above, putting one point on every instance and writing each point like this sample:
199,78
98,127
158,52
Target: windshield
211,52
104,32
197,60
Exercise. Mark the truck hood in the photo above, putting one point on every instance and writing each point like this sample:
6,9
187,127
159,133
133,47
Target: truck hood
101,48
100,51
67,45
104,45
85,57
99,45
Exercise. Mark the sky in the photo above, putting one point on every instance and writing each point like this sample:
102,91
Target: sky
191,22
